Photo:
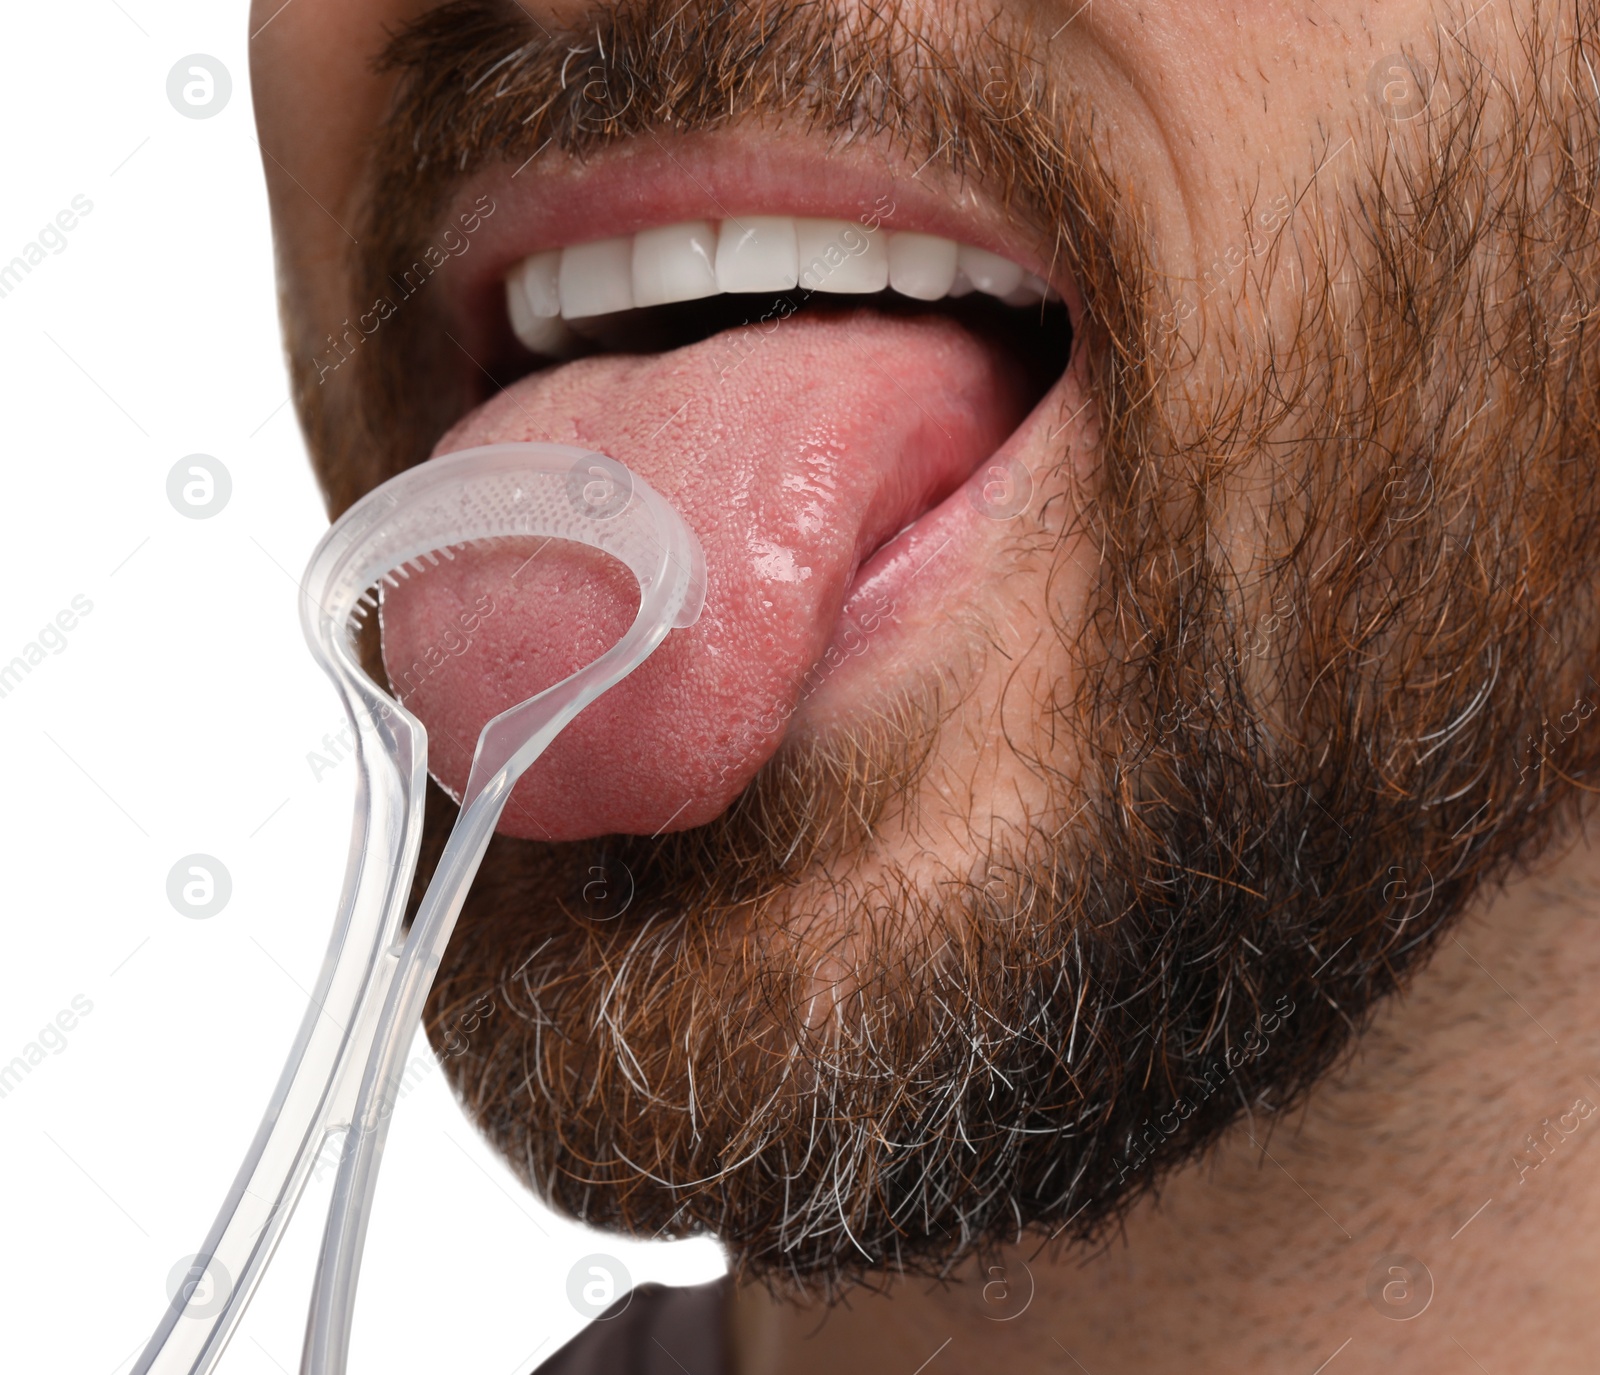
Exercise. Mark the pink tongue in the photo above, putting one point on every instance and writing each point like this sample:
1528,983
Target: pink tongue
792,455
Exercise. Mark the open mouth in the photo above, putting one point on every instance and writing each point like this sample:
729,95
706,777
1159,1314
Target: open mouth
830,402
676,284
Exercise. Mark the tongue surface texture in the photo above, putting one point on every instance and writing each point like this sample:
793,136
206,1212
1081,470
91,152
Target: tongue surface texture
794,450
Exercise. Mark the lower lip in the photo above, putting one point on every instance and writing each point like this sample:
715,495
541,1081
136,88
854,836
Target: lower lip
912,581
918,557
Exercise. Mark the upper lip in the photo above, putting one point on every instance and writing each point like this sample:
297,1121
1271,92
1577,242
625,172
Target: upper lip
655,180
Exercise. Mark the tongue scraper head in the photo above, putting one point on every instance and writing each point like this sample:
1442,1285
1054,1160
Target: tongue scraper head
368,999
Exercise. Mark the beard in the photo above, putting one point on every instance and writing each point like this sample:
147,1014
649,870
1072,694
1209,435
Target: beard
1330,682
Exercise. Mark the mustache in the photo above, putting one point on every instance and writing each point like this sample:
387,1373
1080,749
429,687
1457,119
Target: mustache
481,79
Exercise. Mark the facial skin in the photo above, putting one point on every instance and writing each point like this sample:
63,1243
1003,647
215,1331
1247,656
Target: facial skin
1091,878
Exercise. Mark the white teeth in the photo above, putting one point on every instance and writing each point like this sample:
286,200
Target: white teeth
838,256
597,278
540,276
546,335
676,262
1029,291
921,266
989,271
757,253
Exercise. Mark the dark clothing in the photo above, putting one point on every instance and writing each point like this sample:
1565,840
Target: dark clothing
652,1330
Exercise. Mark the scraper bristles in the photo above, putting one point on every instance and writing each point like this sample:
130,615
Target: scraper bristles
370,598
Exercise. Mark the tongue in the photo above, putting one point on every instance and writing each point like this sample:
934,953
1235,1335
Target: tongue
794,451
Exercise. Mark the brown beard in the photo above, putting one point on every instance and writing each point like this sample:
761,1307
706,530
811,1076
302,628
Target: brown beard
1275,777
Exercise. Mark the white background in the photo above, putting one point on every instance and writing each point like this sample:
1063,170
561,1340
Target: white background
177,719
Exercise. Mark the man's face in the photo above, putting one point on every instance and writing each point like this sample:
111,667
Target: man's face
1103,696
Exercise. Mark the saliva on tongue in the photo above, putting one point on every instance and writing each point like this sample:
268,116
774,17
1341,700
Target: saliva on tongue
793,453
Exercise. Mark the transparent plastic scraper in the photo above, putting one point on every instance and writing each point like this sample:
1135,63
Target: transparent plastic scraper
342,1073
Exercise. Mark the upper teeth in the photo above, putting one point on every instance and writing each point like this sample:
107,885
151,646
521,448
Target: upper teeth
684,262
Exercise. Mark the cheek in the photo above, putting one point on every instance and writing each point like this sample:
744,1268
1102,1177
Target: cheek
317,103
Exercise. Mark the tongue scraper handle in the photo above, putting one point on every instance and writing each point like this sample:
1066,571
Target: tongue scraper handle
369,994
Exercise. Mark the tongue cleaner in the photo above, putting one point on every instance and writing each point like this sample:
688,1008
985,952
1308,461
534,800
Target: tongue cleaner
341,1073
